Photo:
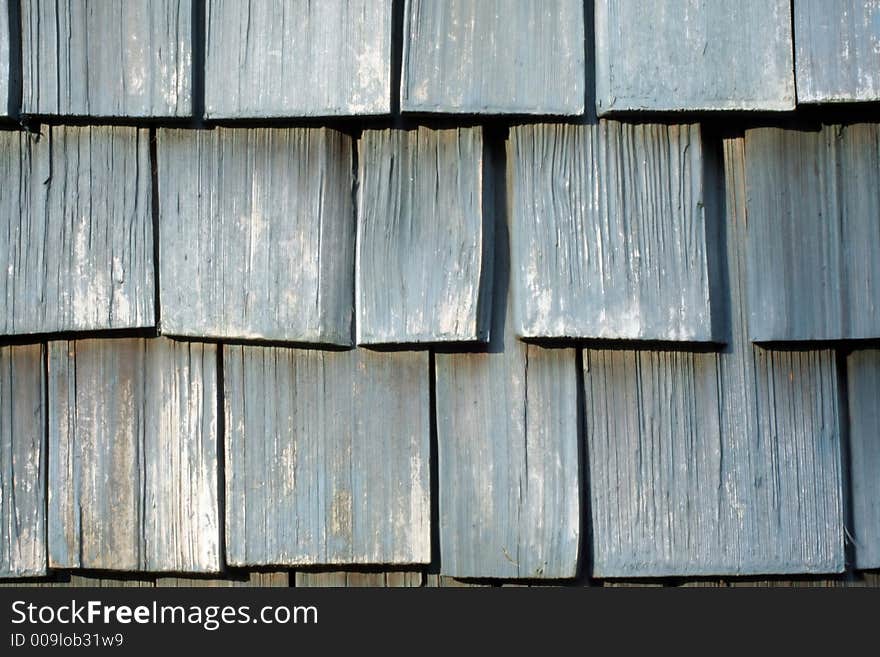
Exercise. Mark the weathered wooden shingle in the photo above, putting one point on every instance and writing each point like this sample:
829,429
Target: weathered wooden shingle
680,55
22,462
507,432
613,228
113,58
715,463
257,234
327,457
133,478
494,57
345,579
422,270
276,58
5,69
814,232
77,247
837,50
863,372
254,579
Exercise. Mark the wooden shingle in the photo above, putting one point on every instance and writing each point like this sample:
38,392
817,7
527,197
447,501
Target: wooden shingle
278,58
327,457
614,227
715,463
494,57
77,248
688,55
22,462
257,233
113,58
133,478
423,263
5,68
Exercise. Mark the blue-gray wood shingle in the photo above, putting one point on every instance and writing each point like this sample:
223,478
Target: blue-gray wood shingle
5,68
837,50
256,234
113,58
133,476
77,247
423,273
814,232
715,463
863,373
327,456
22,462
494,57
684,55
508,449
277,58
613,228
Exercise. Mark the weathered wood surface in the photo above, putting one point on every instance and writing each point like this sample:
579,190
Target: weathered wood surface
837,50
508,444
113,58
254,579
348,579
5,69
682,55
327,457
423,270
133,455
863,374
257,234
22,462
707,464
280,58
814,233
442,581
494,57
612,231
77,247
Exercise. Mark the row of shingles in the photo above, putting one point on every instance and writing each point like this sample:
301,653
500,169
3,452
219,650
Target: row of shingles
644,59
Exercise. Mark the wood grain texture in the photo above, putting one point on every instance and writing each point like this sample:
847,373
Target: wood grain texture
113,58
348,579
837,50
277,58
722,463
253,579
22,462
508,448
863,385
133,455
422,275
612,232
494,57
257,234
685,55
327,457
5,69
442,581
77,248
814,232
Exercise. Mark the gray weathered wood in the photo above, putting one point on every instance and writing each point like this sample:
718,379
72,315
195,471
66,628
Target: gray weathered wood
255,579
113,58
612,227
442,581
863,373
715,463
77,248
494,57
327,457
508,442
277,58
5,69
133,455
344,579
257,234
422,272
837,50
680,55
22,462
814,232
